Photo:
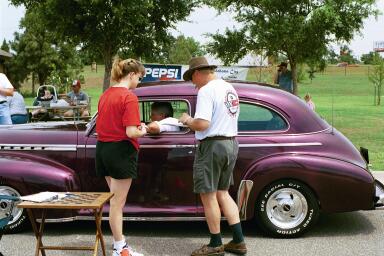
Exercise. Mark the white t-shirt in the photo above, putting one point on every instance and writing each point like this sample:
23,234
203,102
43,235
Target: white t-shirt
169,124
218,103
5,84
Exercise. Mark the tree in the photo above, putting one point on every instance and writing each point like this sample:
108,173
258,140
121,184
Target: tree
377,76
37,51
299,29
346,55
183,49
331,56
5,46
368,58
177,51
135,27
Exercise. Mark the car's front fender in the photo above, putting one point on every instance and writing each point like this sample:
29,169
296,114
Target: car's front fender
30,174
338,185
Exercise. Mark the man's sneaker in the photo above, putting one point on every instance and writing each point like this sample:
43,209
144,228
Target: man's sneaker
209,251
239,248
126,251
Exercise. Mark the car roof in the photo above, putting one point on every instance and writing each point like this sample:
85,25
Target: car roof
302,118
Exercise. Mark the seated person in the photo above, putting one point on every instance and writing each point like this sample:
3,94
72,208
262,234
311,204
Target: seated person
17,108
162,118
75,97
44,96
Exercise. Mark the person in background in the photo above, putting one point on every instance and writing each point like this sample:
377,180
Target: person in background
215,126
162,118
6,89
309,102
45,95
75,97
118,127
283,77
17,108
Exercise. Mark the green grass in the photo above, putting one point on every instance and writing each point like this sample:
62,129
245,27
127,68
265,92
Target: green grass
346,93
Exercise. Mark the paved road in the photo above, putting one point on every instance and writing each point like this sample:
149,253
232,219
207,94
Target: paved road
344,234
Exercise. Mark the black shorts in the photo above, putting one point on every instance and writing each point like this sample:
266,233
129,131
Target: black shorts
116,159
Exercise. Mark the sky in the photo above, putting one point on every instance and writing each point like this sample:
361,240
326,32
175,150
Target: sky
205,20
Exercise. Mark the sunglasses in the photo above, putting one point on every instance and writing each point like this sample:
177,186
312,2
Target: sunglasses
140,78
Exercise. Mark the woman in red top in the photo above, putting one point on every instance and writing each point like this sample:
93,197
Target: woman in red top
118,127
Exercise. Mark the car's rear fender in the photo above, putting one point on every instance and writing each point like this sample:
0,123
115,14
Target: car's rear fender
30,174
339,186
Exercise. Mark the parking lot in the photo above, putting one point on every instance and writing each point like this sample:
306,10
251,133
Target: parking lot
356,233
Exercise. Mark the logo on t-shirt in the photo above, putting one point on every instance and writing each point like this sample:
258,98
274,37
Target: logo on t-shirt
232,103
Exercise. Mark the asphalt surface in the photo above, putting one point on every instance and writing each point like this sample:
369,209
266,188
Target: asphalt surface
343,234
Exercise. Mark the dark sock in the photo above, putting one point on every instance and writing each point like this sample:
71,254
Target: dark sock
215,240
237,233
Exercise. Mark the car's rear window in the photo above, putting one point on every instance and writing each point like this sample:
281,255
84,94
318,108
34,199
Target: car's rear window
255,117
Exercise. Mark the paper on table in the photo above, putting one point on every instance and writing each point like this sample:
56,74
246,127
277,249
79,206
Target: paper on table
43,197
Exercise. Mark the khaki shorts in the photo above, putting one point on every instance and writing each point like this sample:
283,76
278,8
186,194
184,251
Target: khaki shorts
213,165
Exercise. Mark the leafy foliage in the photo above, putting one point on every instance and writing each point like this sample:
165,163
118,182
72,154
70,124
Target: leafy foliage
38,51
299,29
5,46
369,58
183,49
346,55
138,28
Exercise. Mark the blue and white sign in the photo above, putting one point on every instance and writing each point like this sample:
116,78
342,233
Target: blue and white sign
158,72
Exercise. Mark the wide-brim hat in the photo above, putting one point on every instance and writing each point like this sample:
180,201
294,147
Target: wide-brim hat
194,64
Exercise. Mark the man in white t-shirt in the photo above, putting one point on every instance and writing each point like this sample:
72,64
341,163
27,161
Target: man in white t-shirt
6,89
215,126
162,118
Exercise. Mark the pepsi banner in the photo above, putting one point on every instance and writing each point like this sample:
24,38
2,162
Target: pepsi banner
158,72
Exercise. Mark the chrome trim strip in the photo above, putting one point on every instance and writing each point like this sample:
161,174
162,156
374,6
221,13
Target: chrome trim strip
280,145
45,147
240,145
243,196
92,218
273,133
150,146
169,146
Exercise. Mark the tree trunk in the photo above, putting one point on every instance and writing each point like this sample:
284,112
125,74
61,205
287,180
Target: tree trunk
378,94
294,75
107,67
42,78
33,83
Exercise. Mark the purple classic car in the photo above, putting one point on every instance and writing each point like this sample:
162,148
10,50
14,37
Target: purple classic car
291,165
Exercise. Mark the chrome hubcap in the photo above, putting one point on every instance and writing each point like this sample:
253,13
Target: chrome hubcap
286,208
5,205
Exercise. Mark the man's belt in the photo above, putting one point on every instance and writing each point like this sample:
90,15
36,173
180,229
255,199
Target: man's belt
217,138
3,101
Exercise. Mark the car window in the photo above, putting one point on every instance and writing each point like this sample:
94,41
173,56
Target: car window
178,107
259,118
